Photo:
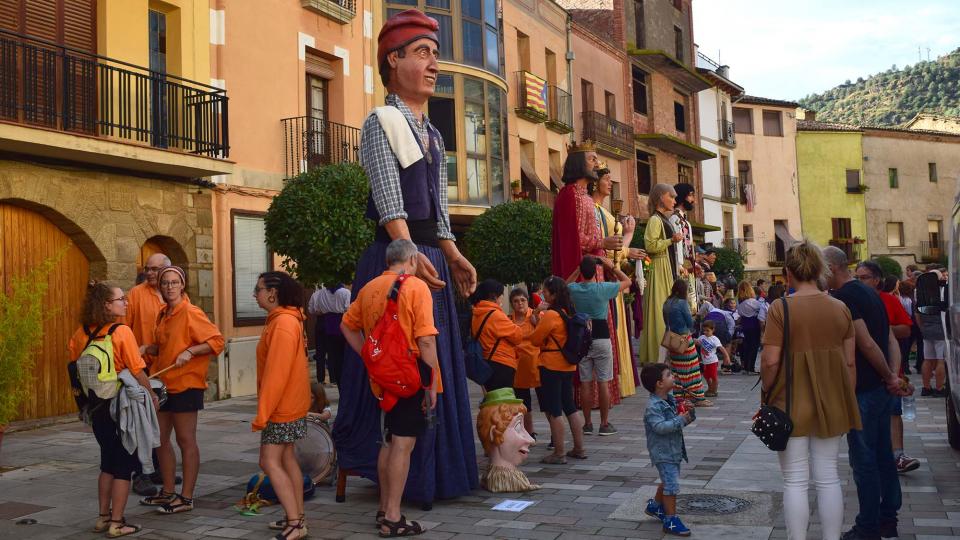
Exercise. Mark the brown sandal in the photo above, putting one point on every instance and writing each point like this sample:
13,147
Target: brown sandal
178,503
401,528
103,523
120,527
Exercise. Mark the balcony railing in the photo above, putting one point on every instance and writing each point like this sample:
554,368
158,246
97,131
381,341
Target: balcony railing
737,244
532,97
851,249
313,142
728,134
612,137
730,189
56,87
341,11
776,253
932,251
560,104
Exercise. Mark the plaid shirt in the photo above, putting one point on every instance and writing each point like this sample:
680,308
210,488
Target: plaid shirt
383,169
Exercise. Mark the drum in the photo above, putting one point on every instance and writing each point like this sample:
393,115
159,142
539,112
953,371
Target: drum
159,389
315,452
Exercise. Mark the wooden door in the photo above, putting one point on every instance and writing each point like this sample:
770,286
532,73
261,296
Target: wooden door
26,240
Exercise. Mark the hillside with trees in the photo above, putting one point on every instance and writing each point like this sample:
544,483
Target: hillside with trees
894,96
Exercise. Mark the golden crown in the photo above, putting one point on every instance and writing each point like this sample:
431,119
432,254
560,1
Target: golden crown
585,146
602,165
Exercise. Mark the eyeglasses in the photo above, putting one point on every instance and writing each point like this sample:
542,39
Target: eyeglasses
121,299
168,284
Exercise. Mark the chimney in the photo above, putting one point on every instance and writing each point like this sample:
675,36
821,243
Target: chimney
724,71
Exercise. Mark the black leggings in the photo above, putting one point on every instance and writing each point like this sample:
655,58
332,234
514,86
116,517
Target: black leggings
502,376
749,348
556,389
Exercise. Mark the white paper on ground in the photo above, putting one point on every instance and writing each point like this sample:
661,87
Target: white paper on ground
513,506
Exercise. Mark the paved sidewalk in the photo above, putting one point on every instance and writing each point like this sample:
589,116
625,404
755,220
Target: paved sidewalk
53,481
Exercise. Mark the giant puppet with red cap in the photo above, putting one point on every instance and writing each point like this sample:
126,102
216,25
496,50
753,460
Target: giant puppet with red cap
404,159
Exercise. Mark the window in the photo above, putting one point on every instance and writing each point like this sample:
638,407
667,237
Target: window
748,233
933,231
932,171
442,113
894,178
742,120
678,4
523,48
684,174
638,23
772,125
551,60
679,117
251,257
678,39
644,173
853,181
894,234
842,229
610,104
744,171
586,95
639,90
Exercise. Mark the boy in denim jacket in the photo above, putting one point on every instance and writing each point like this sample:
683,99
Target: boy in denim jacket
664,430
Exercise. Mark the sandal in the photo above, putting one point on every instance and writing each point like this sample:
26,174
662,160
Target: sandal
103,523
120,527
159,499
380,515
300,528
401,528
703,403
178,503
553,459
577,454
280,524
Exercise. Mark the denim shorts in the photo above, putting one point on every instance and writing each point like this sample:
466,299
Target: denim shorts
670,476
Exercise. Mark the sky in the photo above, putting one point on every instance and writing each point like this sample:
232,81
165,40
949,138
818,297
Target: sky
787,49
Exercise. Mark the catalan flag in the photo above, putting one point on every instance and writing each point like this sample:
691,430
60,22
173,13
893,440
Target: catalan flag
536,92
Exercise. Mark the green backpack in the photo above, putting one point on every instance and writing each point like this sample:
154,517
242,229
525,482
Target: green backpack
93,375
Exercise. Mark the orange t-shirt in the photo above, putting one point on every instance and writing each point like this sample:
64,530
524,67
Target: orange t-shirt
283,381
498,326
528,357
550,328
143,306
414,309
182,326
126,352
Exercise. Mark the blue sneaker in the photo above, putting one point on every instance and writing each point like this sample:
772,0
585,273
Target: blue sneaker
654,509
673,525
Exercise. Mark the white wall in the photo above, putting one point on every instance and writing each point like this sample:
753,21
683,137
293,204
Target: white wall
709,106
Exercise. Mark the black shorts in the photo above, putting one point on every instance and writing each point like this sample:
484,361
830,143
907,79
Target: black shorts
406,418
556,389
502,376
190,400
114,458
525,395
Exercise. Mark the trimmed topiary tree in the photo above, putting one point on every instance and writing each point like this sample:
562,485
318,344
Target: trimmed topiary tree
890,266
728,261
317,224
511,242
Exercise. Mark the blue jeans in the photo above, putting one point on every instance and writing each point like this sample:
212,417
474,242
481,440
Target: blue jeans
873,463
670,476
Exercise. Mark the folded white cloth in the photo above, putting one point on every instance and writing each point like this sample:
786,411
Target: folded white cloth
401,138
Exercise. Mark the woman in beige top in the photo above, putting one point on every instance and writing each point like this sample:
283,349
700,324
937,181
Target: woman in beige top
823,405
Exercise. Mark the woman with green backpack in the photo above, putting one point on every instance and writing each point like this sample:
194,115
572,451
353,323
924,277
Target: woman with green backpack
103,306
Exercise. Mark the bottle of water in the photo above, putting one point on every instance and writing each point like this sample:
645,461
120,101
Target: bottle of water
909,404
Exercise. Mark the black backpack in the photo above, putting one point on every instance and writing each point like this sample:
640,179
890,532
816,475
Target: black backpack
579,337
477,367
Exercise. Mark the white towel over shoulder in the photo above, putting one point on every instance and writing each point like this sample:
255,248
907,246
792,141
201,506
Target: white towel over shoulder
401,138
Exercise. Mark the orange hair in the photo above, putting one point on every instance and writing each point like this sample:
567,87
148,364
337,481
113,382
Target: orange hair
497,417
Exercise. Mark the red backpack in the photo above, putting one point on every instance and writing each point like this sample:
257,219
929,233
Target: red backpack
390,362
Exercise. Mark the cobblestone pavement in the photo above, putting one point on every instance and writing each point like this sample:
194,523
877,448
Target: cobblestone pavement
52,479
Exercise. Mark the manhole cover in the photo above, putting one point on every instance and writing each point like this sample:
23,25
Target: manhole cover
707,505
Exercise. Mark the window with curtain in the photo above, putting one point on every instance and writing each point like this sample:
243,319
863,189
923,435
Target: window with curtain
895,234
251,257
894,178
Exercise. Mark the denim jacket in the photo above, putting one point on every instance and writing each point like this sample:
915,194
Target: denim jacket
664,429
676,315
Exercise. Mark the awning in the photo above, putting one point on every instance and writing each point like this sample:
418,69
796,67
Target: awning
556,178
677,71
527,169
674,145
784,235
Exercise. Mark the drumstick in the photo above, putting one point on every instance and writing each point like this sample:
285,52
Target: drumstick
162,371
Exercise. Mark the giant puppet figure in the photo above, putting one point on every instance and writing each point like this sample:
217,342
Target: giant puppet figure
505,441
403,156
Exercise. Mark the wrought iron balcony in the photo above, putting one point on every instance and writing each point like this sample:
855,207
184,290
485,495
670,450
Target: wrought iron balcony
341,11
64,89
776,253
852,249
560,104
932,251
313,142
728,135
613,138
730,189
532,97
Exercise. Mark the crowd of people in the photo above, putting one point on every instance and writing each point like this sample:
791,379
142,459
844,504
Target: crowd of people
834,363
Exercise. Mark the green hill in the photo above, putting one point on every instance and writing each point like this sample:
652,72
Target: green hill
894,96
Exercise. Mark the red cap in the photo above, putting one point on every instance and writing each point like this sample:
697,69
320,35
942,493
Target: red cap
404,28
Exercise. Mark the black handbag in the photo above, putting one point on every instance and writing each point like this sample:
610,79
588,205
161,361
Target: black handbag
771,425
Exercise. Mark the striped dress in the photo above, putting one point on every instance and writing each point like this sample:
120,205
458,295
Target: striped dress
686,366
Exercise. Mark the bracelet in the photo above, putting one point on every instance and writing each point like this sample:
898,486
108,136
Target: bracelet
189,351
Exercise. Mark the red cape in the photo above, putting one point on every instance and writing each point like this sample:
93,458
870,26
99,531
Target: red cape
566,250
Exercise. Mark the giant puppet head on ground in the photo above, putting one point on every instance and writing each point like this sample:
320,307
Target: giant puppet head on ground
506,443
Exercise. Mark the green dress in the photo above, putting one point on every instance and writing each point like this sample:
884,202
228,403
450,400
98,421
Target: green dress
659,281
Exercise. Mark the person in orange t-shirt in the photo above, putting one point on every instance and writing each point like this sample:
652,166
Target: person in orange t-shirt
528,357
556,374
185,338
102,308
499,336
405,421
144,302
283,394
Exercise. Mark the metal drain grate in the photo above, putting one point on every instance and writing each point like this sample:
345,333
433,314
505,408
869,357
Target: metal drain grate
709,505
